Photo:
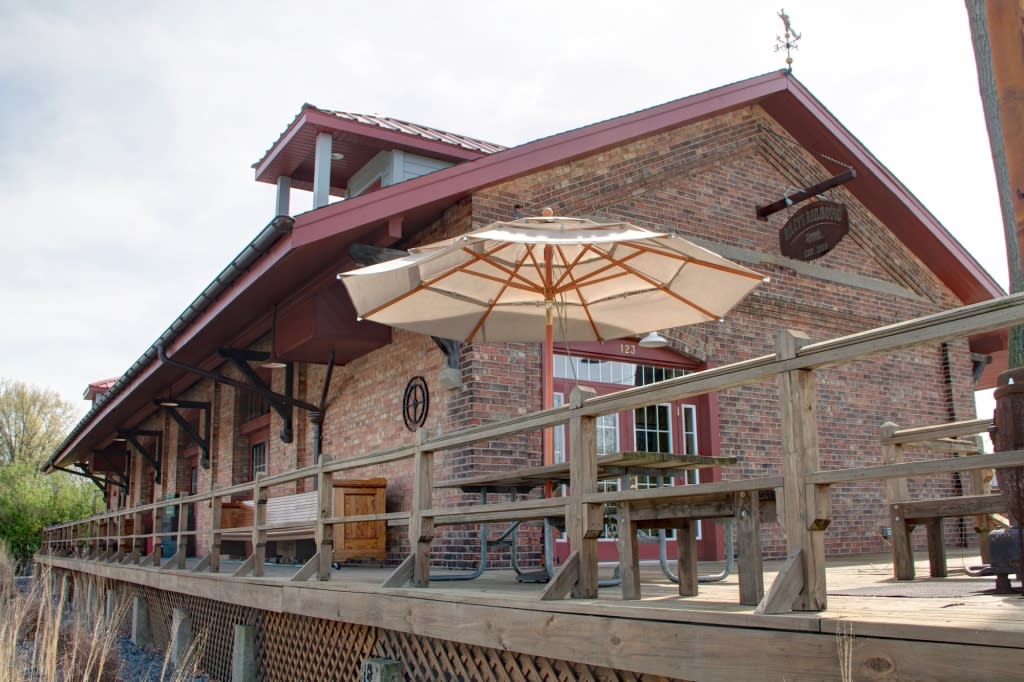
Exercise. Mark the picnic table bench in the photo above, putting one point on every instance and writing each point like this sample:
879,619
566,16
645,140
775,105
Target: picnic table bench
930,513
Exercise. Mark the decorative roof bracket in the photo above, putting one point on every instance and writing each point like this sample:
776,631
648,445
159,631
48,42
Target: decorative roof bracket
316,412
186,426
450,348
84,474
132,436
241,358
121,480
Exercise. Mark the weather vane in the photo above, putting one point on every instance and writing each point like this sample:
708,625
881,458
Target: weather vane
788,42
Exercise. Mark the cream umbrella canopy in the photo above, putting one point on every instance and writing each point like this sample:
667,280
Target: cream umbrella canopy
536,278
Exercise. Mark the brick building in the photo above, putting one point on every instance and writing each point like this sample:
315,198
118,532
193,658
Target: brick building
697,167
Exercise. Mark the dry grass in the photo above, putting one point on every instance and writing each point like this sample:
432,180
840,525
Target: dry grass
43,640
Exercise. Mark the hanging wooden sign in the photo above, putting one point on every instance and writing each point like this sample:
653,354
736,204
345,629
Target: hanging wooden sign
814,230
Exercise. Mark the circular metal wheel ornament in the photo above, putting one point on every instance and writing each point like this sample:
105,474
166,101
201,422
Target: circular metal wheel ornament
415,403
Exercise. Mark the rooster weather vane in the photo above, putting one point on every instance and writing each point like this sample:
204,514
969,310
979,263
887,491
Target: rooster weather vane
788,41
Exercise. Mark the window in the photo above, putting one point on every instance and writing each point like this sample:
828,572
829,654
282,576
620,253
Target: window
259,459
667,427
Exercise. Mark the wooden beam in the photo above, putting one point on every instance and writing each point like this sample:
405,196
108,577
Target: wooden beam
402,573
1007,458
786,589
564,580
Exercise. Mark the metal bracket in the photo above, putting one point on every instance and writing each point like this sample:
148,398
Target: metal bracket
791,199
186,426
132,436
316,412
241,358
450,348
123,482
84,474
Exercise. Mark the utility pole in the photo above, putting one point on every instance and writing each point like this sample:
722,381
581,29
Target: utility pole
997,31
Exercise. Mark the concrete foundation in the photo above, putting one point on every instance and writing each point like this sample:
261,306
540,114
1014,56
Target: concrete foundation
140,623
381,670
181,635
243,654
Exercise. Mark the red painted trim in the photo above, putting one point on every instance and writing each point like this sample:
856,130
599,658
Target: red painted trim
460,179
282,143
319,121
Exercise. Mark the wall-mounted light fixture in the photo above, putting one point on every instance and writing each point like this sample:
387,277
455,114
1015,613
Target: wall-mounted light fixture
653,340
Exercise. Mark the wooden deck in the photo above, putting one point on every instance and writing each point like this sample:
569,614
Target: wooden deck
948,628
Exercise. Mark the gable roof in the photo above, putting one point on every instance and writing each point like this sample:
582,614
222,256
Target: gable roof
357,138
282,259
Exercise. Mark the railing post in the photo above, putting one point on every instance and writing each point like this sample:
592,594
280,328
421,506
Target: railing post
897,492
421,528
584,521
138,541
216,504
325,531
259,533
803,518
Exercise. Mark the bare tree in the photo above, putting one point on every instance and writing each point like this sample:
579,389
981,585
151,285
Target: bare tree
33,422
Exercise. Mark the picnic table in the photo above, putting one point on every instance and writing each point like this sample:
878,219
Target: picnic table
524,480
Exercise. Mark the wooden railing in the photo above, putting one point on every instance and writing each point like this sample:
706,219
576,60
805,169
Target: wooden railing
804,490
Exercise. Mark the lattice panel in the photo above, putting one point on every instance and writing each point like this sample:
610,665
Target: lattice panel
431,660
216,619
299,648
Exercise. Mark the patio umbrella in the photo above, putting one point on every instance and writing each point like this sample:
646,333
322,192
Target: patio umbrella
533,279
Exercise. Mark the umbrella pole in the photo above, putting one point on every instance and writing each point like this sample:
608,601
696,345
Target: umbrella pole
548,387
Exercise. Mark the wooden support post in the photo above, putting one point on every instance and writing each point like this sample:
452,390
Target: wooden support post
324,531
981,484
798,412
747,527
584,521
896,491
216,510
686,560
421,528
119,540
902,548
259,533
629,556
936,548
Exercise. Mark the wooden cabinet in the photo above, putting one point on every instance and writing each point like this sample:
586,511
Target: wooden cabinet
362,539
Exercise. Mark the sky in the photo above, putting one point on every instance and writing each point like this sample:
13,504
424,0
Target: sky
128,129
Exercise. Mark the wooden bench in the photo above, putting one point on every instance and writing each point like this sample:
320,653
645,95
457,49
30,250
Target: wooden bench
294,517
930,513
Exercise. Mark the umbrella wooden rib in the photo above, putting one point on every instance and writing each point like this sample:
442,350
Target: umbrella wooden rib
585,305
493,302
